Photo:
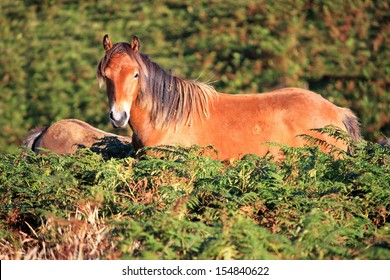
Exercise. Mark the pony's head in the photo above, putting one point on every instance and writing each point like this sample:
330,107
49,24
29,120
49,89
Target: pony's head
120,70
133,78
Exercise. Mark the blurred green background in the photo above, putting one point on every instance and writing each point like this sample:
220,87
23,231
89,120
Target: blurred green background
49,51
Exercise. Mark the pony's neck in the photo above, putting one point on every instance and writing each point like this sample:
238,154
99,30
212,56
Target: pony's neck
170,100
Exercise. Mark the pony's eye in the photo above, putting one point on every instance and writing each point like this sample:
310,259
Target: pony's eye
136,75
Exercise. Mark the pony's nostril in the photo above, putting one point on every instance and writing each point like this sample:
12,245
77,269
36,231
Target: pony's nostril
124,117
119,119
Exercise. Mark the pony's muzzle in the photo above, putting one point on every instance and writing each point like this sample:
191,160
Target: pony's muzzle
119,119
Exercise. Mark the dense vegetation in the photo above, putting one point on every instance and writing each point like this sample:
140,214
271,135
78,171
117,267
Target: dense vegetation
187,206
182,205
50,50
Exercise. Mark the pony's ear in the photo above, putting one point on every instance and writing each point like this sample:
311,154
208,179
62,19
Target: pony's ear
135,44
107,44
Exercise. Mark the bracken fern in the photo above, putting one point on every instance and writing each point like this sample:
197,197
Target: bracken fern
178,203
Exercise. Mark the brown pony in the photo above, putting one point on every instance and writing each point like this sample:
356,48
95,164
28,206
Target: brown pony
163,109
65,136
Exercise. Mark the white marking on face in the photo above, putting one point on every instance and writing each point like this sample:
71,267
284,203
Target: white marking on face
119,115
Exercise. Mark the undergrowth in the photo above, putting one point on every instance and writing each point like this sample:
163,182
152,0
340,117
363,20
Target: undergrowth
182,204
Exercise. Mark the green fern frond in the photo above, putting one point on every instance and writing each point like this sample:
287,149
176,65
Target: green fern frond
314,141
334,132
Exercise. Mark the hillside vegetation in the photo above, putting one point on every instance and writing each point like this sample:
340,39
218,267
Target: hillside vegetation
187,206
50,50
